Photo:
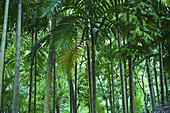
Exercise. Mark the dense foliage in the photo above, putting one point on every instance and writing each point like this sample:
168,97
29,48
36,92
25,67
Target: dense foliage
91,48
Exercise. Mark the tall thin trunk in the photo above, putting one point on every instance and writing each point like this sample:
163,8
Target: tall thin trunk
72,100
156,80
35,73
126,85
3,43
71,97
122,81
93,69
54,81
132,106
161,63
125,74
121,65
57,103
161,74
17,61
166,87
111,59
110,91
151,88
89,72
49,69
31,69
75,103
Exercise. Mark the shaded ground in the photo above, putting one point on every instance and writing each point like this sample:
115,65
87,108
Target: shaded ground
163,109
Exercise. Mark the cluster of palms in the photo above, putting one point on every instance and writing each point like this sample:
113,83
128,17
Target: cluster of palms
84,51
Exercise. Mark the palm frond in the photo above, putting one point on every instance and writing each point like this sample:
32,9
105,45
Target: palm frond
68,58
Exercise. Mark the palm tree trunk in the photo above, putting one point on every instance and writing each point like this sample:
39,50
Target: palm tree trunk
49,69
152,93
132,106
89,72
75,103
111,59
54,81
166,86
122,81
2,55
35,73
110,90
121,66
17,61
161,74
155,71
71,97
93,69
72,100
32,61
161,63
125,74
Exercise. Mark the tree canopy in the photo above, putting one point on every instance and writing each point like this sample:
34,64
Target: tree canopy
81,56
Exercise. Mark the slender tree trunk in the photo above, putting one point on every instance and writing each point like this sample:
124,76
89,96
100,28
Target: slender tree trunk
72,100
161,74
75,103
126,85
110,89
71,97
155,71
121,66
166,86
49,69
32,61
17,61
89,72
125,74
93,69
58,104
111,59
132,106
152,93
161,63
54,79
35,73
3,43
122,81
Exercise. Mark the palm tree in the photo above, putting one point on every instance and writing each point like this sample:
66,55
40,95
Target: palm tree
49,68
121,65
156,80
161,60
2,55
17,61
152,92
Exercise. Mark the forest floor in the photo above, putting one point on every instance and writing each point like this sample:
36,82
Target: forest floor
165,108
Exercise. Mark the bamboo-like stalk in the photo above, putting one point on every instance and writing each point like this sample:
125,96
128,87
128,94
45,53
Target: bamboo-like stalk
17,61
2,53
49,69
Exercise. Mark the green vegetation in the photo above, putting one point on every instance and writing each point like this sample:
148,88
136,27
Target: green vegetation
84,56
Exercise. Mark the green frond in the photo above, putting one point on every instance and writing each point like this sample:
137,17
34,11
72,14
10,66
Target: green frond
68,58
